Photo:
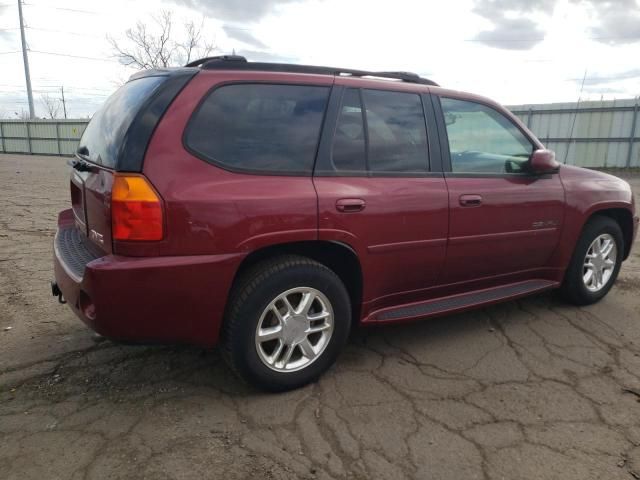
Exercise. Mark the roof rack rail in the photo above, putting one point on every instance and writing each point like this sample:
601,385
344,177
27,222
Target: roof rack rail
240,63
223,58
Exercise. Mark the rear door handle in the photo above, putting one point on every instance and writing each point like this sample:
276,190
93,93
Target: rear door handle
350,205
470,200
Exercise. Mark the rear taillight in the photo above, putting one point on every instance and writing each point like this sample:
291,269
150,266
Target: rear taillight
136,209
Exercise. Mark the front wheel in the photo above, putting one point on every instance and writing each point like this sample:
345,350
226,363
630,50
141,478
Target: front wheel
595,263
287,321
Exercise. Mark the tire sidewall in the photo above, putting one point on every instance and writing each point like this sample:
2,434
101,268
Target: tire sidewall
599,226
244,350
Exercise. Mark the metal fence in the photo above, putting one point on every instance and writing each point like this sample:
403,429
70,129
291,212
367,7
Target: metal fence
591,134
42,137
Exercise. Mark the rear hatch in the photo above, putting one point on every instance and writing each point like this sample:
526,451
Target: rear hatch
115,140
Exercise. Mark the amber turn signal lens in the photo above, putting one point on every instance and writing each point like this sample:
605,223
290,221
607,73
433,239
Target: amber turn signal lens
136,209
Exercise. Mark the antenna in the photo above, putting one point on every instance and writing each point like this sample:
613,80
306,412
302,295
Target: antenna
573,124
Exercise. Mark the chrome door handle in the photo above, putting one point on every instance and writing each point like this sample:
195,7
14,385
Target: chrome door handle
350,205
470,200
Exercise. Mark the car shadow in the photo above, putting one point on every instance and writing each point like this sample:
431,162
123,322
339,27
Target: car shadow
120,372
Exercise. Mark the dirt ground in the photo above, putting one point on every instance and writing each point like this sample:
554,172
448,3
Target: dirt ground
532,389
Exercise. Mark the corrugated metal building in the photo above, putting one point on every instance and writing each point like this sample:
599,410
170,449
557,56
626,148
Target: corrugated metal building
43,137
589,134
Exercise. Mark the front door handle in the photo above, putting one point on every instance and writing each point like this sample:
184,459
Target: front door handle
350,205
470,200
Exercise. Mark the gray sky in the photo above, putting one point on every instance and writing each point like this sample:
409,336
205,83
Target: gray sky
515,51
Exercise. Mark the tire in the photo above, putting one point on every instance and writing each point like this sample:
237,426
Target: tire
255,302
574,289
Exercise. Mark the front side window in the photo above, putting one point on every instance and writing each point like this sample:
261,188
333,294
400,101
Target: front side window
482,140
259,127
391,136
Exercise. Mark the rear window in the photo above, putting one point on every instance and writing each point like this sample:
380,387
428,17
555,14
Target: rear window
259,128
103,137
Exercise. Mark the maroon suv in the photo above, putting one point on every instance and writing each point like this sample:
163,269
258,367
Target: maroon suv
272,207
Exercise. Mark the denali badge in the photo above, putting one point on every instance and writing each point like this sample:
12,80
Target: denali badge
96,237
545,224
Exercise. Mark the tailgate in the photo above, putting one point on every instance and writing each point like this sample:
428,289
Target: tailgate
91,204
77,201
103,150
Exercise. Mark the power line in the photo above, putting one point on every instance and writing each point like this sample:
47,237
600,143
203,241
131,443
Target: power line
46,82
55,85
58,54
50,30
75,10
542,39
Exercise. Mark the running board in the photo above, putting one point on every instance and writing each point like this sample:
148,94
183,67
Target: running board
462,301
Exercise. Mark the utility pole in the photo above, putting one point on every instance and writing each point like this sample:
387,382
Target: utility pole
25,59
64,104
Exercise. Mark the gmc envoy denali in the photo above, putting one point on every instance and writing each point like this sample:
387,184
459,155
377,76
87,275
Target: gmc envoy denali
272,207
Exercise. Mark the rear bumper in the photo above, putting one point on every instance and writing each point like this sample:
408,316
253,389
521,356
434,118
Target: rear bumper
147,299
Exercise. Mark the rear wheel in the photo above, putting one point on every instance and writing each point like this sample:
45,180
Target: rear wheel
287,321
596,262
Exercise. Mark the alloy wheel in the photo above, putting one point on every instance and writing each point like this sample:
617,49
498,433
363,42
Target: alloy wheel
294,329
599,262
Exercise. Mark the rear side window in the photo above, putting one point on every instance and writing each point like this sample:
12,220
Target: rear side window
348,153
259,128
104,136
390,137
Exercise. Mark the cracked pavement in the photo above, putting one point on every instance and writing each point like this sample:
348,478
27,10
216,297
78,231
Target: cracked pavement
532,389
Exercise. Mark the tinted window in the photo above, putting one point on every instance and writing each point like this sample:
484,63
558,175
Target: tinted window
348,153
483,140
397,131
265,128
104,135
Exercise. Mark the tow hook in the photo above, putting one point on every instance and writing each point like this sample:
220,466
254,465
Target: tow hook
56,292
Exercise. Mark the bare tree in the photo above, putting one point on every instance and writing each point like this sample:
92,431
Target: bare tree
158,45
51,105
22,114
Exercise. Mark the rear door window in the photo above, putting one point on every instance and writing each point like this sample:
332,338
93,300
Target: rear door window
348,152
260,128
397,131
389,138
104,136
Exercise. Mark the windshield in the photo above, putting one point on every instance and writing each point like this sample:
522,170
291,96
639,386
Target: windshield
104,135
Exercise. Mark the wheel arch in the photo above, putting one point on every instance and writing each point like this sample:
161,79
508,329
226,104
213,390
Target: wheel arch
624,218
339,257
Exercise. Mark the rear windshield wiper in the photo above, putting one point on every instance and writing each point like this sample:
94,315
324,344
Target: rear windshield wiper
80,164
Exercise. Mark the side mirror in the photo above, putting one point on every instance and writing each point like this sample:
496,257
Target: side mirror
543,162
